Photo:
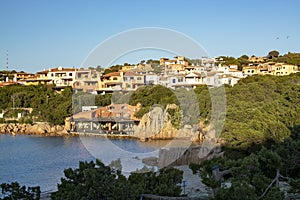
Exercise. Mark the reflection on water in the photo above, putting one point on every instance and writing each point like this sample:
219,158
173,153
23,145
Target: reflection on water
36,160
111,149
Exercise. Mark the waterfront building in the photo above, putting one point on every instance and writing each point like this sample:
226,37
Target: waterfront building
111,119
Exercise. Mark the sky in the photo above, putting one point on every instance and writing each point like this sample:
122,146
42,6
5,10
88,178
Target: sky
40,34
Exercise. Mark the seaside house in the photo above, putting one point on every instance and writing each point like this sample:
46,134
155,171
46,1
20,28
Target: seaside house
175,65
110,82
151,79
282,69
59,77
212,78
227,79
86,81
62,77
250,70
190,80
271,68
132,81
22,76
39,78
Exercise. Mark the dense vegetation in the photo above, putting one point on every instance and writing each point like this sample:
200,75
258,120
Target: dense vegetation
15,191
152,95
47,104
256,175
261,109
97,181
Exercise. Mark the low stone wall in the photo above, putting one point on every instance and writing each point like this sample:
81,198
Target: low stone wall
43,129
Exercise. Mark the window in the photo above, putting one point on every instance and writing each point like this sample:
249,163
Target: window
173,80
70,74
139,78
252,71
115,78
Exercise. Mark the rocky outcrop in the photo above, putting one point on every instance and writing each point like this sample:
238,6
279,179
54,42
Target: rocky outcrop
151,161
177,156
151,123
155,125
44,129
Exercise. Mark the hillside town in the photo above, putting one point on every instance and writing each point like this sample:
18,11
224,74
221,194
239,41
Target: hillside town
172,73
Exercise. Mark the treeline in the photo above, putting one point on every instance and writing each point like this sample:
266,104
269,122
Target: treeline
261,109
272,56
271,173
47,104
98,181
94,180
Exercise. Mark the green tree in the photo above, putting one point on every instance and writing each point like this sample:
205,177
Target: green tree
15,191
97,181
273,54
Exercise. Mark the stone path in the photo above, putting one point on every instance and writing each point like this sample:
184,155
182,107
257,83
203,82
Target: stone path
195,189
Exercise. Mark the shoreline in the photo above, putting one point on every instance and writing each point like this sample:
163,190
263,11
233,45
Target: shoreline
47,130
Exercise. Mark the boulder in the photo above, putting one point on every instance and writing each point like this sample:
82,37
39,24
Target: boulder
176,156
151,161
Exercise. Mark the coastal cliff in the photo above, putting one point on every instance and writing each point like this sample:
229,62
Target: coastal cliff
43,129
157,125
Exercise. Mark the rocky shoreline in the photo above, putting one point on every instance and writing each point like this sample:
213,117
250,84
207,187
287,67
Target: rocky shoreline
46,129
42,129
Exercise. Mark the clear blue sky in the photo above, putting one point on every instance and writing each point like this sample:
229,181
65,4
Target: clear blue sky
46,33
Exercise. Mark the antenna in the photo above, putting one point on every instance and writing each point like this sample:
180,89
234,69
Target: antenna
6,59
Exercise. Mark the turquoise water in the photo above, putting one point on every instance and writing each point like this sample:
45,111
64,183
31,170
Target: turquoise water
35,160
